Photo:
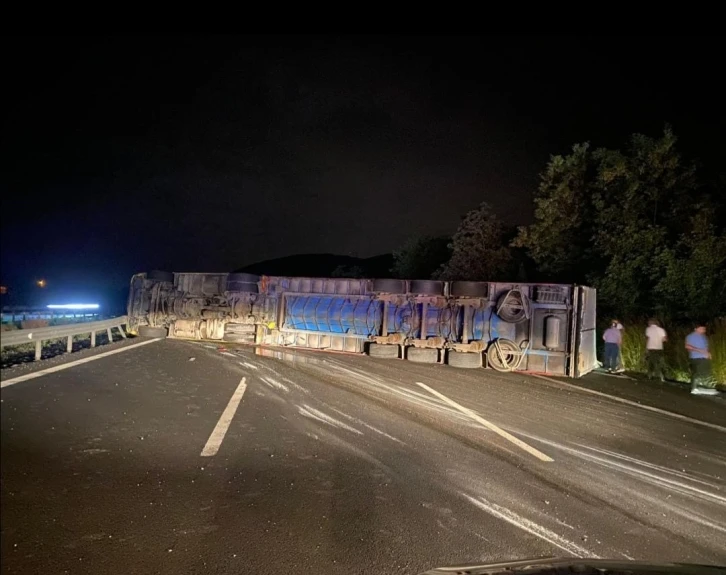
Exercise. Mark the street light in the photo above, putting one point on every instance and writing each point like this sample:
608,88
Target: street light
41,283
73,306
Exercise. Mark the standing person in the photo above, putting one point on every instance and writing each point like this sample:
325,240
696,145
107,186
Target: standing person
654,338
620,367
700,359
613,337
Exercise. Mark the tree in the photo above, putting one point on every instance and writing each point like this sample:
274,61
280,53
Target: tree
563,217
420,257
643,199
479,250
694,279
616,219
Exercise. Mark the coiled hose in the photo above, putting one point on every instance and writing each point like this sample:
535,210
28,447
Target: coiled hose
514,306
506,355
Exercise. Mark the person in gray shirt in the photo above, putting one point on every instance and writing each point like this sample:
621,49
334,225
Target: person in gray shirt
613,338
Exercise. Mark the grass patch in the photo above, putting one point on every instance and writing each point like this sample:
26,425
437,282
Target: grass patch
676,356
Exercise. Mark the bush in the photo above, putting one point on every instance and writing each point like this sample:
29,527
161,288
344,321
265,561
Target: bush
718,349
633,349
676,356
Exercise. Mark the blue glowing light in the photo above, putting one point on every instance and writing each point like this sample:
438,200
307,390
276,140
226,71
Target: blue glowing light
73,306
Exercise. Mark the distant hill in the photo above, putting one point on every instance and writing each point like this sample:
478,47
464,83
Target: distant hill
323,265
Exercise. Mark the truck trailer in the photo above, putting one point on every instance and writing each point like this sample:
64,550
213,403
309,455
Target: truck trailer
507,326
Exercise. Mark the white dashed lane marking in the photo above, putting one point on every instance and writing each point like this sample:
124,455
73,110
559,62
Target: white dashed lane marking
489,425
220,430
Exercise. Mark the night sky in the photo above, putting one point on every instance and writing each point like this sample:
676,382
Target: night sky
206,154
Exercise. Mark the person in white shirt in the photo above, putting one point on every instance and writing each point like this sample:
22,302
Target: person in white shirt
654,338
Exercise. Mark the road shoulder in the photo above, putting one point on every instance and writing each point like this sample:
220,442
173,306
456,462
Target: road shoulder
21,369
666,397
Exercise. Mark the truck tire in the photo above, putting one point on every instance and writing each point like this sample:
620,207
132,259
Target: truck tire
427,287
470,289
160,276
243,277
242,287
422,355
239,338
243,283
389,286
382,350
464,359
149,331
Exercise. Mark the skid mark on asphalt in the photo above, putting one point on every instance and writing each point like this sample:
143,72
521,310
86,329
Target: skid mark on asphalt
290,382
369,426
651,465
273,383
220,430
669,505
410,395
287,380
643,474
529,526
382,472
487,424
312,413
296,385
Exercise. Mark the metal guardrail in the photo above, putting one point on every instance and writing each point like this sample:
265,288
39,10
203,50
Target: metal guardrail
13,313
38,335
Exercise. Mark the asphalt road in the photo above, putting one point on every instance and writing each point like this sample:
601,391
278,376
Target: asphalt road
319,463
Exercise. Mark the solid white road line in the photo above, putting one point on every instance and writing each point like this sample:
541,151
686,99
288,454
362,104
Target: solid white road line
633,403
498,430
220,430
35,374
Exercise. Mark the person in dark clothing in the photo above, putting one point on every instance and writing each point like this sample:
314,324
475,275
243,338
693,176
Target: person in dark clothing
613,337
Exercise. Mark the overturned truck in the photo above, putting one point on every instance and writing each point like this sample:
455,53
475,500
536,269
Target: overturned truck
542,328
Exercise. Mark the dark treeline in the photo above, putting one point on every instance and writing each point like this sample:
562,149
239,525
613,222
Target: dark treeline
639,223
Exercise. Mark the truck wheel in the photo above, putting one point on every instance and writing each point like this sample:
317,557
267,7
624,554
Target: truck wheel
422,355
148,331
159,276
243,282
464,359
239,337
427,287
242,287
382,350
470,289
389,286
